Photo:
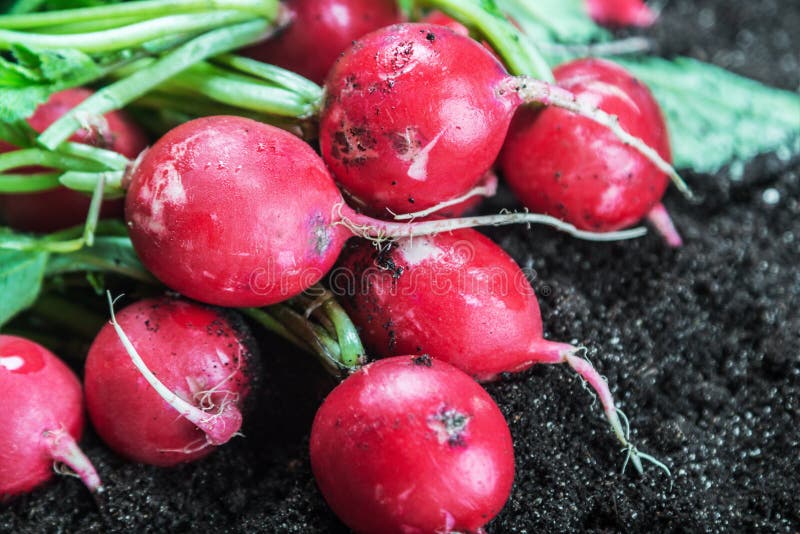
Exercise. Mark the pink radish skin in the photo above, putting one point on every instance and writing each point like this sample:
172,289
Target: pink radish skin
233,212
60,208
415,114
574,169
201,361
620,13
412,444
460,297
320,30
42,406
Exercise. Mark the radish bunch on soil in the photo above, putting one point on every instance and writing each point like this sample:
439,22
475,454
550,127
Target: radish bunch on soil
412,444
234,212
572,168
415,114
60,208
167,380
42,412
318,31
460,298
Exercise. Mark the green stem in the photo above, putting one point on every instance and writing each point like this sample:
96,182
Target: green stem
127,36
86,182
347,335
25,6
108,159
519,54
141,10
28,183
28,157
271,73
120,93
16,133
236,90
87,26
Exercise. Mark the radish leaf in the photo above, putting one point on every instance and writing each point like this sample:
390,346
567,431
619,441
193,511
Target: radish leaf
20,281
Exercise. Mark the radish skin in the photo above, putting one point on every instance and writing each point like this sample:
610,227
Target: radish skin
42,406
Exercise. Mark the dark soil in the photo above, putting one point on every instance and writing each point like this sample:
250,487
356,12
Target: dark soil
701,347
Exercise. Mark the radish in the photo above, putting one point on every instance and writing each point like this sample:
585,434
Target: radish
571,168
621,12
415,114
233,212
42,407
167,379
462,299
412,444
319,30
60,208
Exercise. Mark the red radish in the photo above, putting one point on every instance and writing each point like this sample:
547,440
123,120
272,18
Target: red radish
621,12
441,19
60,208
233,212
415,114
412,444
320,30
166,381
42,407
574,169
461,298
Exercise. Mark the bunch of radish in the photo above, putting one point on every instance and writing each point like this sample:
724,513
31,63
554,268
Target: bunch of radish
233,212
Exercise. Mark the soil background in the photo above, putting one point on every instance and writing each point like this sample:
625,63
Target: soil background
701,347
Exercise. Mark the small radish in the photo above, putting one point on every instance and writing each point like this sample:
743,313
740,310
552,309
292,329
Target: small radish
234,212
462,299
618,13
412,444
42,418
320,30
576,170
415,114
167,379
60,208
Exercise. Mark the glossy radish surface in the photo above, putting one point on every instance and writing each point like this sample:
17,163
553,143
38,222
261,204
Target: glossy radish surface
60,208
234,212
196,353
460,298
412,444
41,403
414,115
320,30
576,170
621,12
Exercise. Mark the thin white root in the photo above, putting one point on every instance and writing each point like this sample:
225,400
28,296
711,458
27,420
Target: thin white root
532,90
486,190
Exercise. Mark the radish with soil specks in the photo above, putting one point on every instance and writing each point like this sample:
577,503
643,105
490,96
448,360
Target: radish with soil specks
412,444
167,380
415,114
567,166
42,418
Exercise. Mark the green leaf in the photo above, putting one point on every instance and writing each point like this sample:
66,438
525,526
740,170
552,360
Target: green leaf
21,276
34,75
716,117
